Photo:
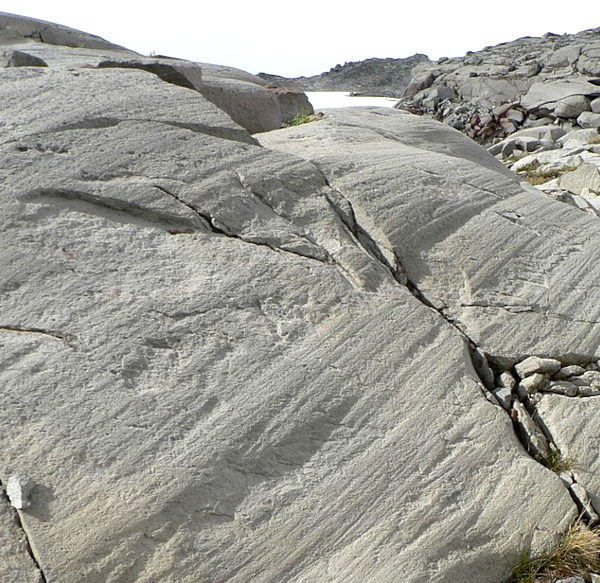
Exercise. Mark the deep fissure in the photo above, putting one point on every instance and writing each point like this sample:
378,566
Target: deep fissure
481,365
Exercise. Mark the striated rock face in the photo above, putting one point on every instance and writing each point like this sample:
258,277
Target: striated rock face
231,361
243,96
478,247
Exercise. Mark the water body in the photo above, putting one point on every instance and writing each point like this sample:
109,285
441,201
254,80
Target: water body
334,99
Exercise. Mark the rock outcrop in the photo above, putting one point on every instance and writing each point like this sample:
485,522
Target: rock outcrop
243,96
535,102
231,361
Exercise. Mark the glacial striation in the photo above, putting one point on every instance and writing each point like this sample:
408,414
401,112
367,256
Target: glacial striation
280,357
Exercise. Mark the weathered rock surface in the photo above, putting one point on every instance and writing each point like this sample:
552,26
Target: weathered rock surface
14,28
292,103
243,96
249,100
228,361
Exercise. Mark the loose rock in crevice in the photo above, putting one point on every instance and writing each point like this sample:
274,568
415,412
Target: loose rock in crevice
19,523
520,389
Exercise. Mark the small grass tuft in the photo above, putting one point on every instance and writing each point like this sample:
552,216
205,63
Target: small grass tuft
534,175
535,178
557,462
577,554
301,118
531,167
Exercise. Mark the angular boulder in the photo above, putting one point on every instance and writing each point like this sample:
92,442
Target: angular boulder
585,176
12,58
572,107
550,93
292,102
244,97
587,119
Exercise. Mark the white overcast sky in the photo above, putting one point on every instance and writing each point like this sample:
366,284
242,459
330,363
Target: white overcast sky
294,38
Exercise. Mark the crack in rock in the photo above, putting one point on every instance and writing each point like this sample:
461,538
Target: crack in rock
116,209
363,237
478,357
66,338
28,541
219,228
529,428
261,200
237,135
366,240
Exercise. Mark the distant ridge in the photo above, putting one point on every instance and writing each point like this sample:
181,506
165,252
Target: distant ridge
385,77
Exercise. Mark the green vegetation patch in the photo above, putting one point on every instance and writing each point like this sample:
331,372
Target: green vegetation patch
557,462
301,118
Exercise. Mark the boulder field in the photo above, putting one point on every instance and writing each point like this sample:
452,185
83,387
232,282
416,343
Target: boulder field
347,351
528,82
